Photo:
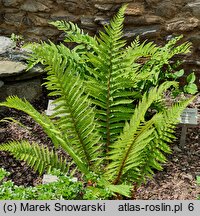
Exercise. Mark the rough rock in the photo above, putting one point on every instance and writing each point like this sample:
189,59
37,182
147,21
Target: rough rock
182,24
143,20
152,19
1,17
11,68
36,71
48,32
166,9
104,7
6,44
75,7
20,55
15,80
143,31
29,89
112,1
194,7
12,3
34,6
101,20
37,20
1,83
153,2
88,22
135,9
63,15
15,19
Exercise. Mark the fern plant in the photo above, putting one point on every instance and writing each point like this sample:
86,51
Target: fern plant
101,115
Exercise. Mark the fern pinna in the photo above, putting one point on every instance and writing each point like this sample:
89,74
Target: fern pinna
38,157
101,115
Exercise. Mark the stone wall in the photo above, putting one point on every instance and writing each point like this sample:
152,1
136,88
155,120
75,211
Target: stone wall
152,19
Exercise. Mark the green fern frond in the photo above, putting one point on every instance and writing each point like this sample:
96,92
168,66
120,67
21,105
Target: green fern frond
74,33
37,157
154,65
43,120
42,53
49,128
164,124
109,66
73,113
126,152
137,50
12,120
173,48
77,121
122,189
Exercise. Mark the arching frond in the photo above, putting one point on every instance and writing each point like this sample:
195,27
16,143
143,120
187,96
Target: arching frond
137,50
164,129
73,114
126,154
49,128
163,56
74,33
37,157
43,53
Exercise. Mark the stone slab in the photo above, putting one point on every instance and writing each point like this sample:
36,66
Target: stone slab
49,179
34,6
6,44
1,83
195,8
182,24
134,9
11,3
103,7
10,68
34,72
29,89
143,31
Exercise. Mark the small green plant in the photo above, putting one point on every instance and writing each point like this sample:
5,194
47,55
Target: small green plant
101,120
191,87
65,188
18,39
3,174
198,182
